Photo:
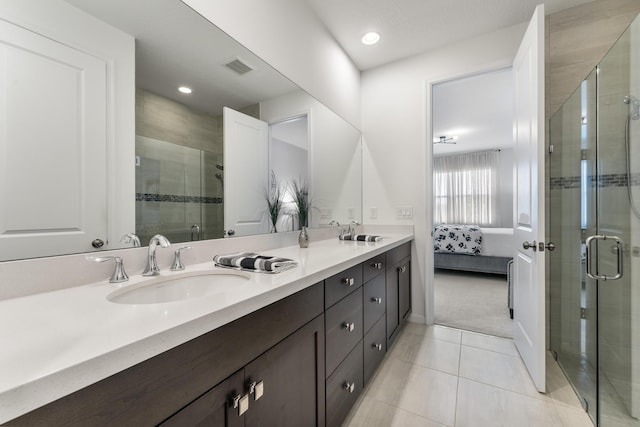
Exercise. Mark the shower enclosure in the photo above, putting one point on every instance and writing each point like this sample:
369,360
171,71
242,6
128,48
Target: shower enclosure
594,274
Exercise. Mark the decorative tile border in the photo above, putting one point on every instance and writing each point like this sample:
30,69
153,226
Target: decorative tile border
602,181
151,197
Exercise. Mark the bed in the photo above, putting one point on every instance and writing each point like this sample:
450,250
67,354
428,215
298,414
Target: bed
471,248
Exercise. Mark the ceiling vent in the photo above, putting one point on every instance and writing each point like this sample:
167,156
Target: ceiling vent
238,66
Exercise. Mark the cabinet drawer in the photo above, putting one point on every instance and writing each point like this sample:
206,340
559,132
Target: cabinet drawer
375,347
341,285
395,255
343,329
373,267
344,387
373,301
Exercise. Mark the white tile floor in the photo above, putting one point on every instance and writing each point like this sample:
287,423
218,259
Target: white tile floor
440,376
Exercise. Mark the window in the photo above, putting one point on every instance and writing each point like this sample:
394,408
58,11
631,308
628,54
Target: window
465,189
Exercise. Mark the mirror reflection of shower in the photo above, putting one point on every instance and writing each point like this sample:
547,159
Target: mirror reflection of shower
219,175
634,114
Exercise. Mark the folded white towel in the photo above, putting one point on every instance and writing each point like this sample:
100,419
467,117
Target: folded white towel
255,262
360,237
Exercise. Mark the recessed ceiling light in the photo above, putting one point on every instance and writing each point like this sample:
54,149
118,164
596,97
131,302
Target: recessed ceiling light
185,89
371,38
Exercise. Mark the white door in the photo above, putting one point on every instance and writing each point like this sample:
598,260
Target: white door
529,260
246,164
53,177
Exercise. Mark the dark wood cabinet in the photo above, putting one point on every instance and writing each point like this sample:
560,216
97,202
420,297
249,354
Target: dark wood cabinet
343,329
374,301
340,285
213,409
280,388
398,277
344,386
375,347
292,377
404,288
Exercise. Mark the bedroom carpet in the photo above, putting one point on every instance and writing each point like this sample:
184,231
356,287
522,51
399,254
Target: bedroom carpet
472,301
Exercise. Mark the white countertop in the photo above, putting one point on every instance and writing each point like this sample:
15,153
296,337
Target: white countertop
55,343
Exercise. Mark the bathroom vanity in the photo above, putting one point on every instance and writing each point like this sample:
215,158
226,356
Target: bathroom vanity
294,348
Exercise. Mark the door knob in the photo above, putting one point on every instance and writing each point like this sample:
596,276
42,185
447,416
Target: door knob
550,246
231,232
97,243
532,245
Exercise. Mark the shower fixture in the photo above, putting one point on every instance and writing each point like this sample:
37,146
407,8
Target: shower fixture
635,105
634,114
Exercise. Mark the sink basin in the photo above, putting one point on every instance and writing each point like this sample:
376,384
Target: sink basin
179,287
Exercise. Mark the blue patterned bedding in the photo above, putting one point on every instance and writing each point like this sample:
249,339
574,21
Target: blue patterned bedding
457,239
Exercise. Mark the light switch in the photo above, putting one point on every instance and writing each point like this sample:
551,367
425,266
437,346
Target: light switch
373,213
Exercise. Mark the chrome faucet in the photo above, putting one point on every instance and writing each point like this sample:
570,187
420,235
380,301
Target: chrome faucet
152,264
352,228
132,239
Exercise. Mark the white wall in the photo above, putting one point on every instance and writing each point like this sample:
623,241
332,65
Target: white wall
287,35
396,132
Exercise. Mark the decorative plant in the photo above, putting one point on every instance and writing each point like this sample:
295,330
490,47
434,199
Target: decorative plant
275,201
301,202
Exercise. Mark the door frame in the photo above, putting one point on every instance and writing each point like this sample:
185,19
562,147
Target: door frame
428,141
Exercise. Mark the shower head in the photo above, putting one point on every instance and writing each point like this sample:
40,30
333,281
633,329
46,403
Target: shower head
635,105
220,167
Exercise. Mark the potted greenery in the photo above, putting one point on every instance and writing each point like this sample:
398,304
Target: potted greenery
275,201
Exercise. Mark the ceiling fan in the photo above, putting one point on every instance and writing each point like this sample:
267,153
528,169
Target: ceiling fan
446,140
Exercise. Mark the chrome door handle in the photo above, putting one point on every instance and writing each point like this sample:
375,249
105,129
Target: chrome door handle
550,246
376,300
533,245
619,245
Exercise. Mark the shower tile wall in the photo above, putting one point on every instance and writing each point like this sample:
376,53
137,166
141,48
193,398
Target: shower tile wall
176,182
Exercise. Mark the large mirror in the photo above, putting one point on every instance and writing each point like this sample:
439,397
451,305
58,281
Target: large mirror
102,141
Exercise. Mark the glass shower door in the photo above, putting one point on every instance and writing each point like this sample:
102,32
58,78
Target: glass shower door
573,217
618,154
594,286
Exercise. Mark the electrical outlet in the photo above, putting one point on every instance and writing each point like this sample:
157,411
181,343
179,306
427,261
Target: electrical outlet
325,213
351,213
373,213
404,212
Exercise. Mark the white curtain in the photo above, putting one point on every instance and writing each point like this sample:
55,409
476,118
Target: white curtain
465,189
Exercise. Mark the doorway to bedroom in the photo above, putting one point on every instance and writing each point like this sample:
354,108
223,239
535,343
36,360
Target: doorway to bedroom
473,164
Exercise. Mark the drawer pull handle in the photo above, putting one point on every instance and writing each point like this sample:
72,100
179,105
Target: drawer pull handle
257,388
376,300
350,387
377,265
241,403
377,346
349,326
349,281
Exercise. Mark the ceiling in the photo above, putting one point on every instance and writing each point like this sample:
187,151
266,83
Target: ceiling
176,46
478,110
409,27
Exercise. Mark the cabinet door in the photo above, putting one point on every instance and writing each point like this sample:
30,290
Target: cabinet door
213,409
373,301
404,288
290,381
393,319
343,329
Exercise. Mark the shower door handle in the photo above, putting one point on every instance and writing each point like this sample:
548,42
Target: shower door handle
619,246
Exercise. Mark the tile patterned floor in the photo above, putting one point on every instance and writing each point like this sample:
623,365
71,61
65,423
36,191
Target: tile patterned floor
436,376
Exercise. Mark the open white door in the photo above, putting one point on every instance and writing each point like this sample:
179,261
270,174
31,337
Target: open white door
528,131
246,164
